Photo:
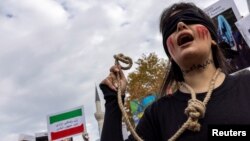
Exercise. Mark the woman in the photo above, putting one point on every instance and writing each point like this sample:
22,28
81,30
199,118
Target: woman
207,94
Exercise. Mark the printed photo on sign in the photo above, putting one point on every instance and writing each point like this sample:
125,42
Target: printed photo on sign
244,26
226,28
138,106
221,6
225,14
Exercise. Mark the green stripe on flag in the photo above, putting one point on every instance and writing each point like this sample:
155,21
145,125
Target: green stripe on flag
63,116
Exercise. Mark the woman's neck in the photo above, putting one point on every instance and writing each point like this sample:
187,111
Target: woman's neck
199,79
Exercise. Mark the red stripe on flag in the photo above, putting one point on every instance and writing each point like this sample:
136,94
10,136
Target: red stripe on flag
68,132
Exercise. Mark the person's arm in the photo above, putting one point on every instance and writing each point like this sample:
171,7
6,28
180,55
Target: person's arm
112,126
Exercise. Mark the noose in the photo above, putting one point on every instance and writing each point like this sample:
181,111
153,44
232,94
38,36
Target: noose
125,60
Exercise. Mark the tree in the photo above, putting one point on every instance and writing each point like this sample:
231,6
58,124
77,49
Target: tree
148,76
146,79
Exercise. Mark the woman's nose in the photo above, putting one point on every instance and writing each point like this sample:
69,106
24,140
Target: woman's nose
181,26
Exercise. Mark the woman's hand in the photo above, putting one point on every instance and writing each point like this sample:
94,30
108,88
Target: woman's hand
111,80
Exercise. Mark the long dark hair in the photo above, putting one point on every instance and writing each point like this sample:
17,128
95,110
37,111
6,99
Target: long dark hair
175,74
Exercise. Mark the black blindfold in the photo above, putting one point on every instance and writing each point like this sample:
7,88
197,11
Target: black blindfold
189,17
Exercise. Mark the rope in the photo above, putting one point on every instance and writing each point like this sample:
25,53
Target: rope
126,60
196,108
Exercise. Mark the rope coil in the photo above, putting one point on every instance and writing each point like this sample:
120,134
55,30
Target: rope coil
126,60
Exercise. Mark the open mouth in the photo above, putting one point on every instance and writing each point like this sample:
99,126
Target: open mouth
184,38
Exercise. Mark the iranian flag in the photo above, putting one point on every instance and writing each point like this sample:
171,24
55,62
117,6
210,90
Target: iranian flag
66,124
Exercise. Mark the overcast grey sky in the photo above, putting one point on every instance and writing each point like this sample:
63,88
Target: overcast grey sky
53,52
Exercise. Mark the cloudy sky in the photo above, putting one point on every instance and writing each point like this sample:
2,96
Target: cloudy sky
53,52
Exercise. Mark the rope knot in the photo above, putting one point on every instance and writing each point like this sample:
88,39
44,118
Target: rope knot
195,110
194,125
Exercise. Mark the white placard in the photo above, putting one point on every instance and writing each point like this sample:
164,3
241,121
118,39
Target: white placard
244,26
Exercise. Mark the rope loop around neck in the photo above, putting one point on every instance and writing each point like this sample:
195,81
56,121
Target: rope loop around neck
196,108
